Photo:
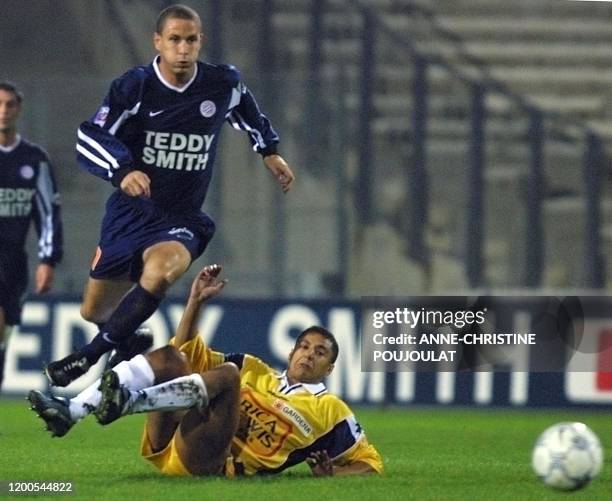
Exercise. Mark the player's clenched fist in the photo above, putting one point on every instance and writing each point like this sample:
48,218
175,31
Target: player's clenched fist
136,184
281,171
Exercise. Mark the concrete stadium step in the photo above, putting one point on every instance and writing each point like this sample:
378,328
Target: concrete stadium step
448,173
349,48
566,181
562,166
603,126
392,79
554,90
520,8
450,150
504,28
450,127
543,54
398,109
559,78
298,22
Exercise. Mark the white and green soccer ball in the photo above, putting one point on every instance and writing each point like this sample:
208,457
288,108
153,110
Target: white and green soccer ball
567,456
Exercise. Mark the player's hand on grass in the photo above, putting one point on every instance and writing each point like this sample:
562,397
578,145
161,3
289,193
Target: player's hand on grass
206,284
320,464
280,170
136,184
44,278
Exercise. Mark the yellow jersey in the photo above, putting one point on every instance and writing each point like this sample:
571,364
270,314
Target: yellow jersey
281,424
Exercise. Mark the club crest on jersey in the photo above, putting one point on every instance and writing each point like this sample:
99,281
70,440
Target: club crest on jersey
101,116
26,171
208,108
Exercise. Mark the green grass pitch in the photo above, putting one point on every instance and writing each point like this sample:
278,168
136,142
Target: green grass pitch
437,454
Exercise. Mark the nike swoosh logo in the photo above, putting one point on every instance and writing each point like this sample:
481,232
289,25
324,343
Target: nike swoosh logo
155,113
107,339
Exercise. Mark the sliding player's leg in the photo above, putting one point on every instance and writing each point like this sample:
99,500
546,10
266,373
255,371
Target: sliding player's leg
202,435
203,441
61,414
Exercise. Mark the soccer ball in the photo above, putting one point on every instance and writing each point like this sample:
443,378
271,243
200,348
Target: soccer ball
567,456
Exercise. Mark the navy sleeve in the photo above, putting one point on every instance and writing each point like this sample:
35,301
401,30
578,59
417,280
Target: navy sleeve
47,216
237,358
98,149
244,114
336,442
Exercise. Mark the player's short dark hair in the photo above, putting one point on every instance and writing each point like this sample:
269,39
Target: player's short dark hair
178,11
7,86
326,334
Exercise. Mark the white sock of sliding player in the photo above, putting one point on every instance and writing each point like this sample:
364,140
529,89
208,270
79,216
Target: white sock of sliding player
134,374
181,393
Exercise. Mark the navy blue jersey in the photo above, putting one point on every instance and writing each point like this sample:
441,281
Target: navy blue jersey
28,192
170,133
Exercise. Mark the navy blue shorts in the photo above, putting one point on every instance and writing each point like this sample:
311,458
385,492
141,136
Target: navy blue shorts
13,284
132,225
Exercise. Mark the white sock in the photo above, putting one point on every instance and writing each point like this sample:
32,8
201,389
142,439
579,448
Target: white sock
181,393
134,374
85,402
139,374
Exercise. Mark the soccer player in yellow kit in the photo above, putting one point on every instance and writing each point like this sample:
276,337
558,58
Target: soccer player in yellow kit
227,414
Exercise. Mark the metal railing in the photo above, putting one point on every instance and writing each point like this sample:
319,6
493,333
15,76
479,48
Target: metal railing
480,84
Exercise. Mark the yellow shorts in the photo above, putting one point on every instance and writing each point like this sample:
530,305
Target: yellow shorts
169,462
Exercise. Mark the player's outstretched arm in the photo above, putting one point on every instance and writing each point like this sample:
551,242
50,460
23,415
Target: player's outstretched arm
206,285
321,466
280,170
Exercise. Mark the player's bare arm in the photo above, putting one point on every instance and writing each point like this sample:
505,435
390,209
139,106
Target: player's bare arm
206,285
280,170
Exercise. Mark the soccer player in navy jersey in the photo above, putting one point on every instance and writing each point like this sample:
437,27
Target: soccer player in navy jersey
155,138
27,193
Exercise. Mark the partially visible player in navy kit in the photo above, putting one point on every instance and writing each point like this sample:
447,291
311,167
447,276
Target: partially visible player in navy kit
27,193
155,138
